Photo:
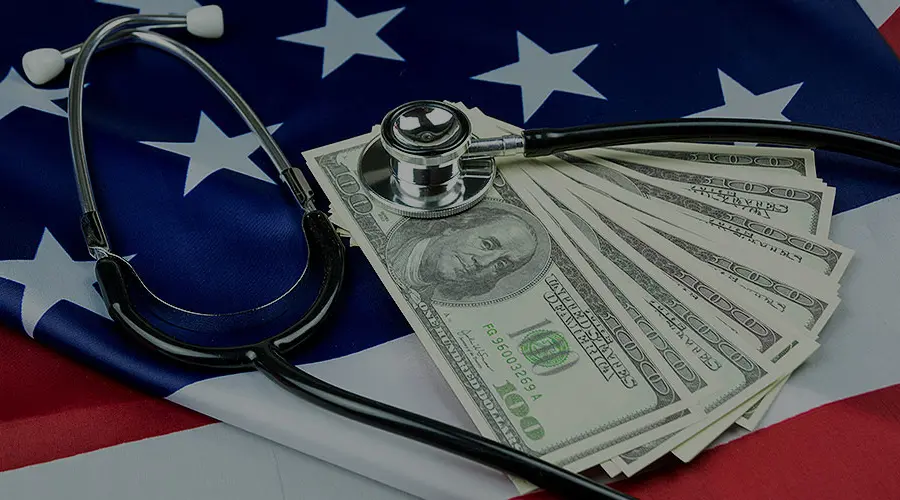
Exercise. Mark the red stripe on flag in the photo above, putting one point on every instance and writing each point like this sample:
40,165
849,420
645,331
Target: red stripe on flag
53,407
890,30
846,449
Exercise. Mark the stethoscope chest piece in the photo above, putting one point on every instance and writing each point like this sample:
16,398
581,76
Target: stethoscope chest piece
416,166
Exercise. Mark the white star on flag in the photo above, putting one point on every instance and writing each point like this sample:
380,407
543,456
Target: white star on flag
741,103
16,92
212,151
155,6
52,276
540,73
345,35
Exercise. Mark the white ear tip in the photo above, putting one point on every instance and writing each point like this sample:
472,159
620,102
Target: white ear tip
42,65
206,21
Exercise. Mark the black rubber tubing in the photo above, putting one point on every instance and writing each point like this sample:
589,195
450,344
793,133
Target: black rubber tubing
548,141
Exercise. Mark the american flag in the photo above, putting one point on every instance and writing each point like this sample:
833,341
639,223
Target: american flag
187,195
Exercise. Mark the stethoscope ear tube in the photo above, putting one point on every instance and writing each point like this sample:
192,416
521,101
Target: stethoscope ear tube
549,141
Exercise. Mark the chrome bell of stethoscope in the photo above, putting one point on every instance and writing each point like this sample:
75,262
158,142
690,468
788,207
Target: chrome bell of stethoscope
426,163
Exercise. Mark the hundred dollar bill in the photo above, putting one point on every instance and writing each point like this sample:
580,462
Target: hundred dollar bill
696,375
530,344
798,204
766,338
800,274
755,159
693,370
755,413
814,303
749,320
819,254
684,319
802,298
771,334
785,344
698,379
645,454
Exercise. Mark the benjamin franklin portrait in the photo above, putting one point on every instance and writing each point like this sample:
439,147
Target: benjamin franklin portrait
490,252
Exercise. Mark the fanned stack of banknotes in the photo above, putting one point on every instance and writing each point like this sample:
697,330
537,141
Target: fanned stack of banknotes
607,307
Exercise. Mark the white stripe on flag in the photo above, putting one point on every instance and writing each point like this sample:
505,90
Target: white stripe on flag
398,373
214,462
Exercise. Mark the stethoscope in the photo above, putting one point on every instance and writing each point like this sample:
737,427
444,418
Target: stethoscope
425,163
